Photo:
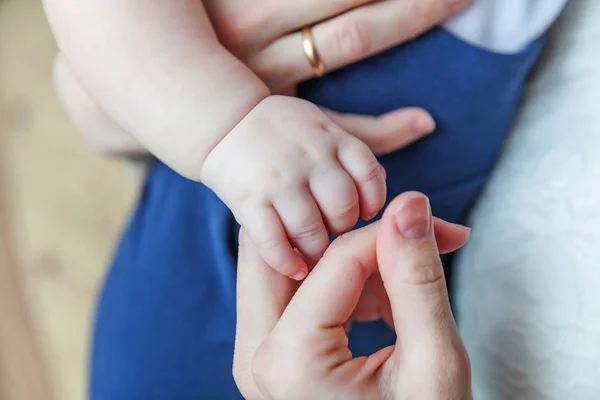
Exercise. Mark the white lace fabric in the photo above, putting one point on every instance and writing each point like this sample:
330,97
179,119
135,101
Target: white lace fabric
527,285
505,26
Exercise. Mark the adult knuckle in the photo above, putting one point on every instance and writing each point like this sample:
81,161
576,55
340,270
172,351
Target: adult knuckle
426,273
358,269
425,14
355,267
456,5
342,242
353,38
238,27
429,12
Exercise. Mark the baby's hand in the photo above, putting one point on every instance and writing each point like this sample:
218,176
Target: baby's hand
290,175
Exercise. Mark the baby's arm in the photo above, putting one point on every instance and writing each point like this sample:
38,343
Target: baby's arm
158,69
286,170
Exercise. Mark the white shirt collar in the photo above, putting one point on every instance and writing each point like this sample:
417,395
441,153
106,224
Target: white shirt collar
505,26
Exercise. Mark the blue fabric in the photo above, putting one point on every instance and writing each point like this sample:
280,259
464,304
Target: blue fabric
166,316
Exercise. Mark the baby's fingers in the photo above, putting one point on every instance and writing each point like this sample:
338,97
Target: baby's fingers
270,240
368,175
336,195
303,223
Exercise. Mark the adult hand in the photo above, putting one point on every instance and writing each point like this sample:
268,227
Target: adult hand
291,341
344,31
265,35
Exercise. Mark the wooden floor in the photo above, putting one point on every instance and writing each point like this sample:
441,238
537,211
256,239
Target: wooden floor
64,207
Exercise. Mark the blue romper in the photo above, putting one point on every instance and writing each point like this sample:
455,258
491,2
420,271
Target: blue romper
166,316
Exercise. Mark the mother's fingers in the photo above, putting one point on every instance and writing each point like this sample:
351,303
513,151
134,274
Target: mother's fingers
260,289
331,292
373,28
413,276
295,15
262,296
350,37
388,132
374,302
450,237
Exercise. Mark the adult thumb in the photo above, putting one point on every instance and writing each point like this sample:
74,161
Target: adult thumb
413,276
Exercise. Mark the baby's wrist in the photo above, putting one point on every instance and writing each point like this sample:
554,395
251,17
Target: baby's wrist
224,149
204,145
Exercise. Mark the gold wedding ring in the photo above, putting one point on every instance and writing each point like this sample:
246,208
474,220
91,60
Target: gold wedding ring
310,49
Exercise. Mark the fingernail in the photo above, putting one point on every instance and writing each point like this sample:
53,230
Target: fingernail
461,227
465,228
298,276
413,218
424,125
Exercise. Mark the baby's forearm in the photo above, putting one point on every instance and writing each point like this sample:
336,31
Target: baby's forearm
157,68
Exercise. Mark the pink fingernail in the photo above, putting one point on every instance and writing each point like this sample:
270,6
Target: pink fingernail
413,217
300,275
465,228
424,125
